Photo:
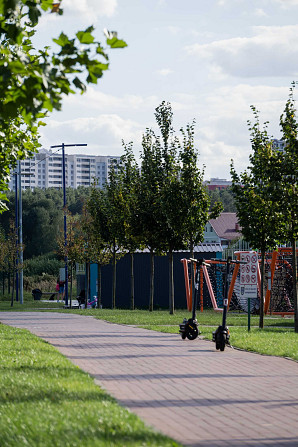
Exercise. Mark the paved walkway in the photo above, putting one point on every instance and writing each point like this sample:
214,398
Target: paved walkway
185,389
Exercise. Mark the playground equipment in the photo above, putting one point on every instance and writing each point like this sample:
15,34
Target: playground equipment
189,328
221,336
213,279
278,284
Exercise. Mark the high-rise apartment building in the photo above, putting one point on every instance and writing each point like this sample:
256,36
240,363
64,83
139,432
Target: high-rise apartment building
278,145
44,170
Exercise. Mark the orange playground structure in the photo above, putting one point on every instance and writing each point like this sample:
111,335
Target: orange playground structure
278,283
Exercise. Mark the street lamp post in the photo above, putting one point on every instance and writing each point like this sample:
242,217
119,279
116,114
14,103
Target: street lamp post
21,276
63,146
17,233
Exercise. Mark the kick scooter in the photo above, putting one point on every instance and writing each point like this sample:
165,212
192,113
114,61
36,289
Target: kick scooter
221,336
190,328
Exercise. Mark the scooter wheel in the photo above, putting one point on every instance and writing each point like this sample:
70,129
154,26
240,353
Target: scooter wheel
192,334
222,346
183,336
222,343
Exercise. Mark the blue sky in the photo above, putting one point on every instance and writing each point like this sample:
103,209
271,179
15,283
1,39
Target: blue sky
211,59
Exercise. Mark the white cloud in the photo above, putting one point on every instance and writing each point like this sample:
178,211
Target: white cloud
90,9
259,12
174,29
102,133
222,133
101,102
77,15
164,71
272,51
287,3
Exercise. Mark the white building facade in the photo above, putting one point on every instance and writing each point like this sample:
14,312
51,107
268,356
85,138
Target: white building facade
45,170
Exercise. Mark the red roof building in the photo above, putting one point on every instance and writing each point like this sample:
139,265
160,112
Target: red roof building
222,230
218,183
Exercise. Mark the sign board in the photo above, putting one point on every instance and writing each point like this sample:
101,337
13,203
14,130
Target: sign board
249,274
80,269
62,274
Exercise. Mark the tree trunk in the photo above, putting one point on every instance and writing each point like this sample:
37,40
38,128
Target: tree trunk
8,280
261,321
191,250
71,275
114,278
12,293
171,283
132,282
295,298
151,297
88,284
99,285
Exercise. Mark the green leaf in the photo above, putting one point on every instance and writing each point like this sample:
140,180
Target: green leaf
62,40
79,84
46,4
34,14
116,43
85,37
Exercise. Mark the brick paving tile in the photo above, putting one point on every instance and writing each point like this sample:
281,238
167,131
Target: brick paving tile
185,389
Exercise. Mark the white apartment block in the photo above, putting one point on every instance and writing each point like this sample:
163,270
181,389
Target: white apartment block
278,145
45,170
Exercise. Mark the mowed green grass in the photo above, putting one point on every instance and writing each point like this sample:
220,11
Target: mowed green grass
162,317
46,401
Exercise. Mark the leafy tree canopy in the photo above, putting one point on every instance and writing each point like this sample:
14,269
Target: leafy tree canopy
33,81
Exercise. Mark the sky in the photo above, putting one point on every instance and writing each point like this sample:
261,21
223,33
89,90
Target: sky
211,59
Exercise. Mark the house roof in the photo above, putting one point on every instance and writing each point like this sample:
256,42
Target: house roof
226,226
208,248
200,248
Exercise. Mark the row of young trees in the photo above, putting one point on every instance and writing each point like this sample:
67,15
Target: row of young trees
266,193
160,204
9,249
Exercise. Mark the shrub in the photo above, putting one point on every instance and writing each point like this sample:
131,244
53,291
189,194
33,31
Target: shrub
42,265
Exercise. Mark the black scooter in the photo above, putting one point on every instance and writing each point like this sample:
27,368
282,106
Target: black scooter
221,336
190,328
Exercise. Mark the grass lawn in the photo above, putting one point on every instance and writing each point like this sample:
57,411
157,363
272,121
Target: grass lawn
47,401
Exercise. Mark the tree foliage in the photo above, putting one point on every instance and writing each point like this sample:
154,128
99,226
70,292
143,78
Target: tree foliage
258,212
224,196
174,203
34,81
43,216
194,202
288,185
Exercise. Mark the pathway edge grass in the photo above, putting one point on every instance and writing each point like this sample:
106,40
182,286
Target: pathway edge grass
47,401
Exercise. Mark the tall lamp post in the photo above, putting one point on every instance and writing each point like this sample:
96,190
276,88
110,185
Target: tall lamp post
17,233
63,146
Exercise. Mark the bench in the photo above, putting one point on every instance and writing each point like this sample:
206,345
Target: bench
51,294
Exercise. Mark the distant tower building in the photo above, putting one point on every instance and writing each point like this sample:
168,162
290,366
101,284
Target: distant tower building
44,170
278,145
